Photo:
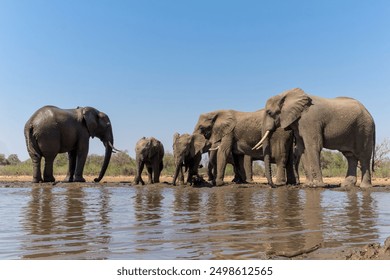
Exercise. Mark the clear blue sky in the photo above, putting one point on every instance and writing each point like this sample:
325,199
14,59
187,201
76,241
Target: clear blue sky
154,66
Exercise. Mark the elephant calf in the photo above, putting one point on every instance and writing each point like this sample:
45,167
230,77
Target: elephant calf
187,152
149,152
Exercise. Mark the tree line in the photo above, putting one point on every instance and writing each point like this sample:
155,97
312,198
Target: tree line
333,164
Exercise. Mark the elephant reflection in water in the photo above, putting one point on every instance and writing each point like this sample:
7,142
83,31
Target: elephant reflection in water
56,225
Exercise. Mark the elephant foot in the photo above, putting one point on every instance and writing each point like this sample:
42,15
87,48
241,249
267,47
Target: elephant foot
49,179
69,179
349,182
37,180
365,185
279,183
79,180
316,184
219,183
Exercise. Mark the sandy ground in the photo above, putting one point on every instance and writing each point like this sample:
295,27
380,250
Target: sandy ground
377,182
374,251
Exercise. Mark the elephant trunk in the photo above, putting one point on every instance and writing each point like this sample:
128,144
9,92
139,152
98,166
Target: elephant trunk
109,144
178,169
267,161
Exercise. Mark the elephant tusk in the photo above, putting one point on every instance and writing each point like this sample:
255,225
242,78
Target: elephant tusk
113,148
214,149
260,144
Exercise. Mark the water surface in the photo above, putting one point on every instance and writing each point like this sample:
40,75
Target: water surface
68,221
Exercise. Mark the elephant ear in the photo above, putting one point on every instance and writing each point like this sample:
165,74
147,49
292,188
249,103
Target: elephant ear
198,143
90,116
224,123
292,104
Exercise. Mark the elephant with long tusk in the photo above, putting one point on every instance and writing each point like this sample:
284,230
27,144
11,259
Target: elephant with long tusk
340,123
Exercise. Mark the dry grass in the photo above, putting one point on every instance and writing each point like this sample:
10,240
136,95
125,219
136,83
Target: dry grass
117,179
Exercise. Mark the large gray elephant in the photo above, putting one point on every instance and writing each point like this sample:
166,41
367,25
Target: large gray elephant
52,130
340,123
149,152
237,132
187,152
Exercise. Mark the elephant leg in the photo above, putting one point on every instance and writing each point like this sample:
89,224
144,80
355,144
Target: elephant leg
72,156
156,172
280,174
138,176
248,168
366,174
351,177
149,168
311,158
181,175
239,169
311,162
295,163
222,155
210,172
48,171
37,174
81,158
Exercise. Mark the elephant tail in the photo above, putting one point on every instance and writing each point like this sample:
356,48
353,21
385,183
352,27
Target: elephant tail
31,142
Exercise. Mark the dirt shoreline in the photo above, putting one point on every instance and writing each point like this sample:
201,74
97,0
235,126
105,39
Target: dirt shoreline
372,251
377,182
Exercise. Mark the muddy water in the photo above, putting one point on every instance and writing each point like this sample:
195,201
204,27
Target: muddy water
120,221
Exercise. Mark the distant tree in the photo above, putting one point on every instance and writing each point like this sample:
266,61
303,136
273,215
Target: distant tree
13,159
382,151
3,160
169,164
61,160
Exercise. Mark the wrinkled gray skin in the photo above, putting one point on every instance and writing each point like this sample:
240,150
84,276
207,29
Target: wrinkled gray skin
52,130
187,153
149,152
238,132
242,166
340,123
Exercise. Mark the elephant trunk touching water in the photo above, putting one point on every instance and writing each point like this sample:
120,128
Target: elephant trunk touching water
187,152
109,144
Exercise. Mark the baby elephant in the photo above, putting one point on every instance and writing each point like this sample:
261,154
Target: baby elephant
149,152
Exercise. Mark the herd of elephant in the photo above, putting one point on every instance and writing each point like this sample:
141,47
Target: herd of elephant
293,128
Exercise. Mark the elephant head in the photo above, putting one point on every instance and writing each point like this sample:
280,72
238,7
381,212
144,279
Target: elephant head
283,111
99,125
187,150
215,125
147,148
